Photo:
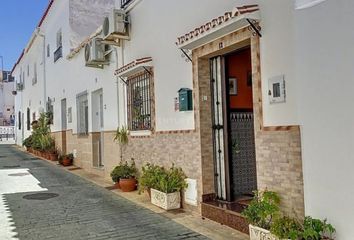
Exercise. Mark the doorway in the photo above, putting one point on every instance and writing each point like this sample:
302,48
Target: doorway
233,125
64,126
97,128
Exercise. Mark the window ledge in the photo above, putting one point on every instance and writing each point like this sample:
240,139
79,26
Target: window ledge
140,133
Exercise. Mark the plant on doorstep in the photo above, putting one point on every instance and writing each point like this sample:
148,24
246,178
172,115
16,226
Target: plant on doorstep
167,186
267,222
261,212
314,229
125,174
286,228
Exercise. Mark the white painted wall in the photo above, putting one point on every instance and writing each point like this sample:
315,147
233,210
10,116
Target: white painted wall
277,58
324,57
155,28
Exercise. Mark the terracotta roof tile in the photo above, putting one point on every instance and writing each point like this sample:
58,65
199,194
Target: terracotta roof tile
237,11
132,64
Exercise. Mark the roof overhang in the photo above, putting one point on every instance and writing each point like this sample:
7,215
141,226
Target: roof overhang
139,65
219,27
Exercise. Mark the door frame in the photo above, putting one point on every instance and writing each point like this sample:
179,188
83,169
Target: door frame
98,129
201,75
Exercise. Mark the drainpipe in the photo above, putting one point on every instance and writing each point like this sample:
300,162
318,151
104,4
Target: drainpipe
117,85
124,89
38,33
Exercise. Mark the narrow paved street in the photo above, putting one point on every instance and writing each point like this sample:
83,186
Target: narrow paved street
41,201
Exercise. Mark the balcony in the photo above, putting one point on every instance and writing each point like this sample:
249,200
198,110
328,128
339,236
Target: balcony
124,3
58,53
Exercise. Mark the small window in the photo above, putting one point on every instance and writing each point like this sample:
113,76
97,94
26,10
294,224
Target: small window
59,51
23,80
139,102
34,80
28,119
82,113
59,39
19,121
70,115
48,50
28,70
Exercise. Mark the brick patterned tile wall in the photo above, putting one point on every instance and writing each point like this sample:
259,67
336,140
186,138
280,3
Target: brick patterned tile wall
181,148
279,167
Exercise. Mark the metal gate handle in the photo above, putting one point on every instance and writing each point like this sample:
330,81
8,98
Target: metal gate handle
218,127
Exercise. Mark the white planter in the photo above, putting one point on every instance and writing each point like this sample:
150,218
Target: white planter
167,201
257,233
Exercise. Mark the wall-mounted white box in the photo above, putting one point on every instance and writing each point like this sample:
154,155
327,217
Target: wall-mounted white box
276,91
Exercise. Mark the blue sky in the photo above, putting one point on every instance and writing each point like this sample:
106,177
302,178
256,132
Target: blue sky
18,19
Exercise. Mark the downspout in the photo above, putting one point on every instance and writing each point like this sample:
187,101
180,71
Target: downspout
38,33
124,89
117,85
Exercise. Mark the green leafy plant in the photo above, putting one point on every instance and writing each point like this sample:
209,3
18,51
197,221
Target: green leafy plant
315,229
124,171
263,209
122,138
286,228
149,177
171,180
28,142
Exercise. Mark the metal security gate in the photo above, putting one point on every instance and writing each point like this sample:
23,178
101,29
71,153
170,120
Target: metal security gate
243,156
216,72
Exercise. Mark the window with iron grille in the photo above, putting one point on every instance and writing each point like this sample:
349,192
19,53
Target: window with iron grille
28,119
82,113
139,102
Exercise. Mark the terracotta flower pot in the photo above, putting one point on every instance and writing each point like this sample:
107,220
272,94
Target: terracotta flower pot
53,157
67,162
127,185
117,185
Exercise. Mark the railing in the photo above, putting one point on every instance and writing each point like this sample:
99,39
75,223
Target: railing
7,132
58,53
124,3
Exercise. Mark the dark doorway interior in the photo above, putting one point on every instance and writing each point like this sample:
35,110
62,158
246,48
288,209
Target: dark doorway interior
240,121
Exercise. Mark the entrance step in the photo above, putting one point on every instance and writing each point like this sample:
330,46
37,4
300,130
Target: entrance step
226,213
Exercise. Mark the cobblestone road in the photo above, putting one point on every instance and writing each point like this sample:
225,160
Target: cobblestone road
80,210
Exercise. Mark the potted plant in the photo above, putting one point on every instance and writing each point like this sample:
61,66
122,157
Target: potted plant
28,142
116,175
261,212
121,137
149,178
67,159
127,176
166,193
310,229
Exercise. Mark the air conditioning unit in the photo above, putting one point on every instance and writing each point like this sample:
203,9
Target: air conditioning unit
95,55
116,26
19,87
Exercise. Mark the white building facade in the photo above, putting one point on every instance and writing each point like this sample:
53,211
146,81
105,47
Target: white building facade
235,92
